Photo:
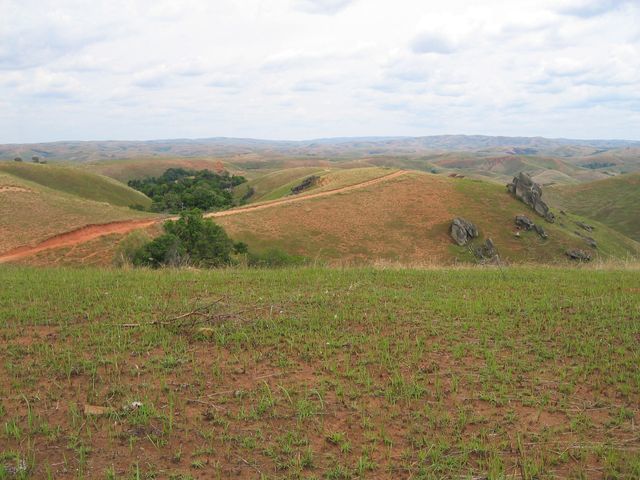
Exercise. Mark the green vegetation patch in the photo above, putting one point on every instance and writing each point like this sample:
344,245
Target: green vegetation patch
77,182
614,202
179,189
320,373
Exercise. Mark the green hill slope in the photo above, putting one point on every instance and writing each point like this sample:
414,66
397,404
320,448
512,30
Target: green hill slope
76,182
31,212
614,202
406,219
544,170
278,184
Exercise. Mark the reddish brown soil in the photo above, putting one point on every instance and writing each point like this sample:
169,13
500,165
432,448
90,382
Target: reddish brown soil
12,188
90,232
261,206
76,237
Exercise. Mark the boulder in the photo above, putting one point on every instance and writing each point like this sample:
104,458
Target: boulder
486,251
540,231
584,226
530,193
588,240
462,231
306,184
524,222
578,255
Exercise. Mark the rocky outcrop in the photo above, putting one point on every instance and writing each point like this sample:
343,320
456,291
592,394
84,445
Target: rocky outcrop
588,240
525,223
463,231
540,231
578,255
486,251
530,193
584,226
306,184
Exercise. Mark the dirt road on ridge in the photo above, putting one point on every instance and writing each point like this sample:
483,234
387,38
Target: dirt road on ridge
284,201
90,232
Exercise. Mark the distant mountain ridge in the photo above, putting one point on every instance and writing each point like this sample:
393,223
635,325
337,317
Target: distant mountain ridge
346,147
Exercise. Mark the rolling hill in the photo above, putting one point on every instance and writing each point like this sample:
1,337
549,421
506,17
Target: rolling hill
278,184
76,182
31,212
350,216
91,151
129,169
551,161
614,202
406,219
543,170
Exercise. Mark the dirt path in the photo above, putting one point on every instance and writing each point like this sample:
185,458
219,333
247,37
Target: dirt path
76,237
284,201
89,232
12,188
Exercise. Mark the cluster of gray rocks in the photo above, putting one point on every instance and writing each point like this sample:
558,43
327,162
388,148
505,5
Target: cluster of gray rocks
526,190
463,232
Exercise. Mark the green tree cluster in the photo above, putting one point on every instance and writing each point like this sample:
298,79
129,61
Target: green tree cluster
179,189
190,240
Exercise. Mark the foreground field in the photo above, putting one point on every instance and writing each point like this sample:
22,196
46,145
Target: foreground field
319,373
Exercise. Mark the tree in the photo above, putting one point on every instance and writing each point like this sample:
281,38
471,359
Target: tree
192,239
17,159
240,248
178,189
166,250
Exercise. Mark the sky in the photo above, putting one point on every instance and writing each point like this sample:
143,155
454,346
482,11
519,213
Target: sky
302,69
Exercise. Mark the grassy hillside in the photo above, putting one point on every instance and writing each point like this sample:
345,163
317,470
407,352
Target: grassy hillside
278,184
125,170
31,212
544,170
614,202
407,219
403,218
76,182
274,184
316,373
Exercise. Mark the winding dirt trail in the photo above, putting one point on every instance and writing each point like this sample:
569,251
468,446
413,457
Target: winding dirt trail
76,237
284,201
90,232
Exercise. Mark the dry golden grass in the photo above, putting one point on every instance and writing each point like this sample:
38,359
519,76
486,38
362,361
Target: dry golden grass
407,220
29,217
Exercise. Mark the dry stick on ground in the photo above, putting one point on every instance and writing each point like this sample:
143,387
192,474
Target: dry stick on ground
197,311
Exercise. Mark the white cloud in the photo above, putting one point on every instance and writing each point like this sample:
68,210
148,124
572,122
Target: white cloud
433,42
323,7
308,69
590,8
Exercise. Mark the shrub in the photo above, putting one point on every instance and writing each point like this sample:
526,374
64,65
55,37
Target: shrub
274,258
191,240
128,247
166,250
240,248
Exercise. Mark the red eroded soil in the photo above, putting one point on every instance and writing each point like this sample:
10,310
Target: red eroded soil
90,232
76,237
